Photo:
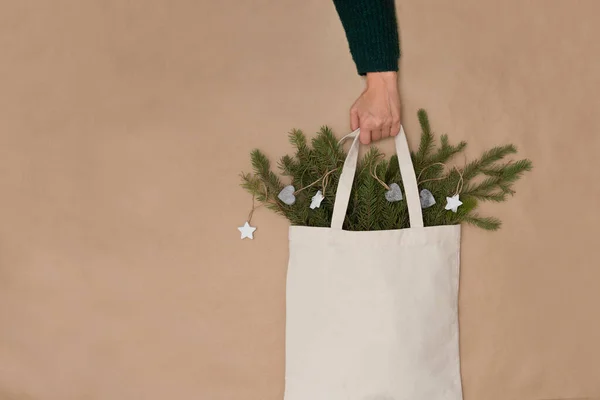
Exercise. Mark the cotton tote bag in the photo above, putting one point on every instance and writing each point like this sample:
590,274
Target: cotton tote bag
373,315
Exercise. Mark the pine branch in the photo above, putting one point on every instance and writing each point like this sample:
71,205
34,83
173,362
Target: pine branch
262,168
499,181
487,159
487,223
388,212
494,197
393,170
250,183
260,162
453,218
366,205
486,185
327,152
304,154
276,207
506,188
288,166
426,145
368,209
298,140
447,151
253,185
513,171
433,166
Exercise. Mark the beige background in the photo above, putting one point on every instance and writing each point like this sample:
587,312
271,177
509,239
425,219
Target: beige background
124,125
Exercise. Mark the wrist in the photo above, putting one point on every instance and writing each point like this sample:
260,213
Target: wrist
388,79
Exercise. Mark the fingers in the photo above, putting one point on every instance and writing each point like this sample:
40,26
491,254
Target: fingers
354,120
369,130
376,134
396,113
377,118
372,130
365,136
386,130
395,128
377,111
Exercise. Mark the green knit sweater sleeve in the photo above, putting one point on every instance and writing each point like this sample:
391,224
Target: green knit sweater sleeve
372,32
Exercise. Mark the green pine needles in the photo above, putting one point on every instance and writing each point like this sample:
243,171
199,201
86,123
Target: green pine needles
489,178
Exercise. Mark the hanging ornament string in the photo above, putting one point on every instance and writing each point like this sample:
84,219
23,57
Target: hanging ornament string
325,183
246,230
374,175
321,179
432,179
459,186
461,182
382,183
254,206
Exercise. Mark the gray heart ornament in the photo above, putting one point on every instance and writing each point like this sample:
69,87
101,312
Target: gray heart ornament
427,199
287,195
394,194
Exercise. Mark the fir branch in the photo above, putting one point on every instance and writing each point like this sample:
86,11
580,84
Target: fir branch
276,207
513,171
304,154
367,208
494,197
366,202
493,170
254,186
487,159
486,185
327,152
288,166
298,140
262,168
487,223
393,170
250,183
260,162
433,166
454,218
426,145
506,188
447,151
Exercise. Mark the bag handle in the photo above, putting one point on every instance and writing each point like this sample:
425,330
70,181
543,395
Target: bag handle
407,171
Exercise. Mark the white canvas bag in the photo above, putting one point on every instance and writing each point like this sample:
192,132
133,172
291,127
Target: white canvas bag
373,315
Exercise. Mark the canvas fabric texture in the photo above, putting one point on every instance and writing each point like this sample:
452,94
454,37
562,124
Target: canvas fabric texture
373,315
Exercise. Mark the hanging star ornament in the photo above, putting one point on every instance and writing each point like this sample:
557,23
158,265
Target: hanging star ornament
453,203
247,231
316,200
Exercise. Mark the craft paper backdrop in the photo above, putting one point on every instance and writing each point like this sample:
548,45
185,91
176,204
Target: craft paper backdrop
124,126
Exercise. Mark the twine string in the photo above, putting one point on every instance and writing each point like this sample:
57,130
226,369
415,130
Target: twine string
461,182
459,186
254,206
432,179
323,178
374,175
325,182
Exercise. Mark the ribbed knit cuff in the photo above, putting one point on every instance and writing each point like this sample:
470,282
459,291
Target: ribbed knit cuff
372,32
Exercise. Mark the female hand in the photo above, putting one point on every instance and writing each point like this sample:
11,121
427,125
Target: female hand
377,110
